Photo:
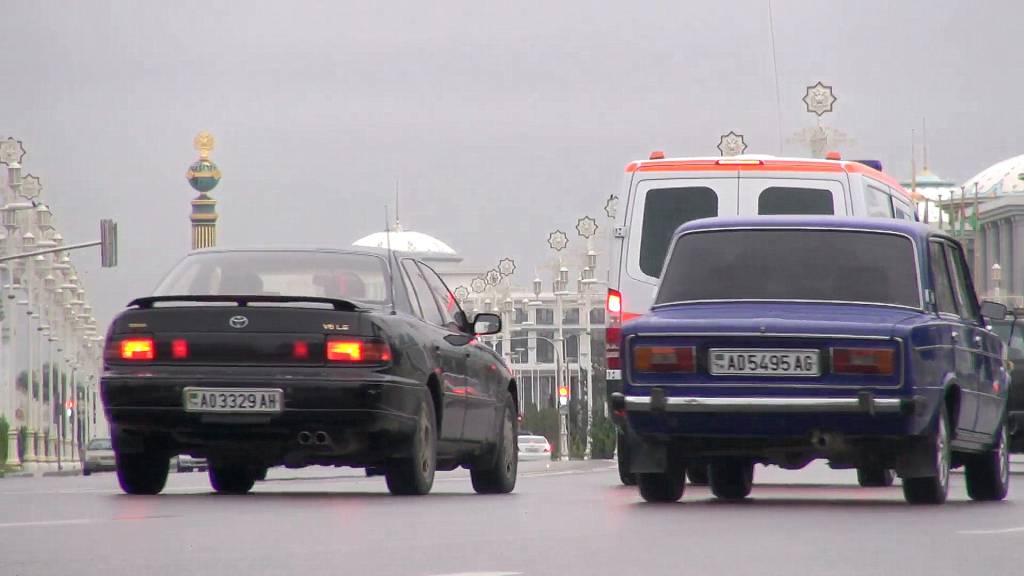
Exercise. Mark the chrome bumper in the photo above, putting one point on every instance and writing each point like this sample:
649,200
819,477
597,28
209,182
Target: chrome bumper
863,404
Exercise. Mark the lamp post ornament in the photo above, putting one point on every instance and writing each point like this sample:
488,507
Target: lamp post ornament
203,175
732,144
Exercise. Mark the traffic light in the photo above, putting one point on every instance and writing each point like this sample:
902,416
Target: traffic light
563,395
108,243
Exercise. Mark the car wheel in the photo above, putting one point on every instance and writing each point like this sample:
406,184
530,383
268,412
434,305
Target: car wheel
415,475
622,454
875,476
731,479
697,474
988,474
141,473
86,471
498,475
667,486
228,478
932,489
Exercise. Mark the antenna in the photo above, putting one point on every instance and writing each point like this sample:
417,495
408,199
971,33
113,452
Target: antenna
398,220
387,241
924,141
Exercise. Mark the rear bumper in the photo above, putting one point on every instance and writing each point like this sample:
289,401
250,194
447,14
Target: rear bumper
769,405
362,417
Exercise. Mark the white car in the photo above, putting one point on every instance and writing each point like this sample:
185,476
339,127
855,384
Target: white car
186,463
534,448
99,456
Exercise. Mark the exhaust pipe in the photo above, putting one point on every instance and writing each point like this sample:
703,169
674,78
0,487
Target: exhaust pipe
821,440
305,438
321,438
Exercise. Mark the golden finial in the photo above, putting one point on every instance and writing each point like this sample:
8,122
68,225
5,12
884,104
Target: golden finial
204,143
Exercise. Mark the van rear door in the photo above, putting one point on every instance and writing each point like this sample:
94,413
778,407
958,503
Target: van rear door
657,208
785,196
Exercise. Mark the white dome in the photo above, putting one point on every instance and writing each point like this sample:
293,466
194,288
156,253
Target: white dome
406,241
1006,177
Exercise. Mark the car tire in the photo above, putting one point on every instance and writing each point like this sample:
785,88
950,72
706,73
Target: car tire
875,476
622,455
935,488
731,479
229,478
141,473
988,474
86,471
414,475
697,474
498,476
667,486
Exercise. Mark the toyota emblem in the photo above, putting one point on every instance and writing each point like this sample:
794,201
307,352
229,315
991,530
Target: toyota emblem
238,321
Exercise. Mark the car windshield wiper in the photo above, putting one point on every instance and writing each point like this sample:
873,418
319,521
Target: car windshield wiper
244,300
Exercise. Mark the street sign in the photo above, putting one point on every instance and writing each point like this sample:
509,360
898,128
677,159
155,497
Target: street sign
108,243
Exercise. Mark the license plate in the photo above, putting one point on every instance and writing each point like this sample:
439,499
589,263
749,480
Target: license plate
772,362
235,400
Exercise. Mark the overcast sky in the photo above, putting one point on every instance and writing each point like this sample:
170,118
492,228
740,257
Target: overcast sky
502,120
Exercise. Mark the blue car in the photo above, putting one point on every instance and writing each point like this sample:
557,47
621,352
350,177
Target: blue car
781,340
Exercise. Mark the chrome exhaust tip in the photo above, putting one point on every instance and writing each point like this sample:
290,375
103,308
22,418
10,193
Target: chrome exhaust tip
305,437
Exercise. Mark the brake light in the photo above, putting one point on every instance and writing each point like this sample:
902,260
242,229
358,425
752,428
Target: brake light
880,361
352,351
179,349
657,155
740,162
613,332
833,155
300,350
138,349
661,359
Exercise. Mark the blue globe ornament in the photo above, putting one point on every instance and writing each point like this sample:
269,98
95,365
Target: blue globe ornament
203,175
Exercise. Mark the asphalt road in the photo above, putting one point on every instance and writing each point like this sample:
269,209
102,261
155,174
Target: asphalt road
564,518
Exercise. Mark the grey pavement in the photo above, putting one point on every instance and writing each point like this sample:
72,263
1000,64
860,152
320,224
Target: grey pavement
564,518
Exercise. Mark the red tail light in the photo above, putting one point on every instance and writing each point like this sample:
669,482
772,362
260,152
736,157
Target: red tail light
613,334
353,351
879,361
300,350
179,349
661,359
138,348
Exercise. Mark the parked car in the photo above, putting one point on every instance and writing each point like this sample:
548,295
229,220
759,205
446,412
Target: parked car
533,447
788,339
1015,353
659,194
256,358
99,456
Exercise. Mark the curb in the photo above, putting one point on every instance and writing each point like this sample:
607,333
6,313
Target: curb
61,473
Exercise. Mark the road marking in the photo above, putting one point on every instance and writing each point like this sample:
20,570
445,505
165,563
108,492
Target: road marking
989,532
481,574
51,523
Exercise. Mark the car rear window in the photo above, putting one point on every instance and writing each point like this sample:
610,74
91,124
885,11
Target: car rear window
792,264
348,276
779,200
99,444
665,209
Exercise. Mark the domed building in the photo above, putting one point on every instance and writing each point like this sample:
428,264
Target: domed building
998,273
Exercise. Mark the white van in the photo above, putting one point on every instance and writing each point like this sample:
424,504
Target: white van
661,193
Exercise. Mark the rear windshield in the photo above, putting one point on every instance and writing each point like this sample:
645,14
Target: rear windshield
99,444
356,277
765,264
779,200
665,209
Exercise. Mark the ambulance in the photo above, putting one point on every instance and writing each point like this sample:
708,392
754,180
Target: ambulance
660,194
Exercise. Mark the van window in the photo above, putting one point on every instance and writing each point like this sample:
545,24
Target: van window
785,200
877,201
665,209
902,209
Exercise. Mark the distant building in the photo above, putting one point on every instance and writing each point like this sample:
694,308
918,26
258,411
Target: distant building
1000,235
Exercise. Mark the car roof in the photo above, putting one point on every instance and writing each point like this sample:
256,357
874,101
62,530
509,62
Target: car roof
361,250
916,230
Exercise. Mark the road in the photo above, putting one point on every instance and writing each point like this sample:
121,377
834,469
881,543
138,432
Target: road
564,518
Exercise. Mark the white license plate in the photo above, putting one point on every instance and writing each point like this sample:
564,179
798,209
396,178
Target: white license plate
772,362
235,400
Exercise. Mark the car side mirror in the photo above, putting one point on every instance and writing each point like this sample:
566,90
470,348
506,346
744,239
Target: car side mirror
993,310
486,323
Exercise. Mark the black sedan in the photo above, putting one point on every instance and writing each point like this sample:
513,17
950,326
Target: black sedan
1011,332
257,358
